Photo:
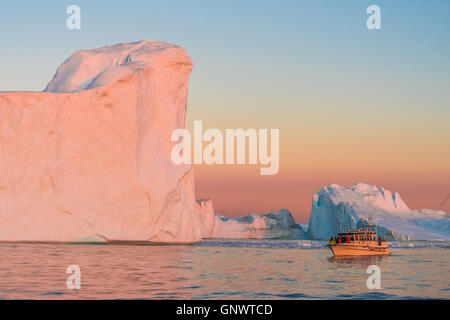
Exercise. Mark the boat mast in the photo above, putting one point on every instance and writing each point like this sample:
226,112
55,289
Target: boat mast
370,228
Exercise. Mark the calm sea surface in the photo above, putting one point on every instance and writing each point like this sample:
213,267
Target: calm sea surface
252,269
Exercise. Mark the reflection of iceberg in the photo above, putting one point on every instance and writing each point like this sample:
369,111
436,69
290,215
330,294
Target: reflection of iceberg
336,208
276,224
90,158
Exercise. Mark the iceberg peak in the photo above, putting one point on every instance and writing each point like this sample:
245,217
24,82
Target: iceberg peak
88,69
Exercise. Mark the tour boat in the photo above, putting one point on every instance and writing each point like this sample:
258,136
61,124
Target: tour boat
362,243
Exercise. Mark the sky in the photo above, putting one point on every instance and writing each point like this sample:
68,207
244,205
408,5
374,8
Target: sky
352,104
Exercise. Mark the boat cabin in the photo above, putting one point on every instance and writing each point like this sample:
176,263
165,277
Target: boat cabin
360,235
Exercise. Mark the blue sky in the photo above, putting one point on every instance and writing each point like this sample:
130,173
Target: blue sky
224,36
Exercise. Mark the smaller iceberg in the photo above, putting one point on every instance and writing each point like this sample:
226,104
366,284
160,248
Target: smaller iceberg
273,225
338,208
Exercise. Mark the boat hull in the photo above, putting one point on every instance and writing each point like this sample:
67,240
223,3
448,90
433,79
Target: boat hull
356,249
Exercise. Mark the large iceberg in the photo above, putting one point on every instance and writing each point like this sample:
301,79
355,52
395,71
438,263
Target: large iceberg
89,159
337,208
273,225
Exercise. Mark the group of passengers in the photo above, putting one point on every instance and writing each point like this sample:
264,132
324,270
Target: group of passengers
349,239
342,239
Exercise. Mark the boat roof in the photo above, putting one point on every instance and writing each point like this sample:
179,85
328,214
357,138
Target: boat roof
358,232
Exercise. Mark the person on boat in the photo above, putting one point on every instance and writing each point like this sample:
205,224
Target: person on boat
379,240
339,240
348,239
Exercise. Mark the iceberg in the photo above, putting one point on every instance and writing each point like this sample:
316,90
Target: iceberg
89,159
338,208
273,225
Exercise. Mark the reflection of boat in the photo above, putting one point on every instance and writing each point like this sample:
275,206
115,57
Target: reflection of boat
359,243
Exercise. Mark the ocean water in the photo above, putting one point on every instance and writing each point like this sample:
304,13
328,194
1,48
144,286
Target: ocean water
221,269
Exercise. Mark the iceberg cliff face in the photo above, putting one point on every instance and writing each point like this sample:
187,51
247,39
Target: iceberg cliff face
273,225
336,208
89,158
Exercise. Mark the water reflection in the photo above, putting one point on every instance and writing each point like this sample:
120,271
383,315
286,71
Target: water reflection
356,262
38,271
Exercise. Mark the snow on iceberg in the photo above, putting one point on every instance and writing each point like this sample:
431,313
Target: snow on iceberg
89,158
273,225
337,208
